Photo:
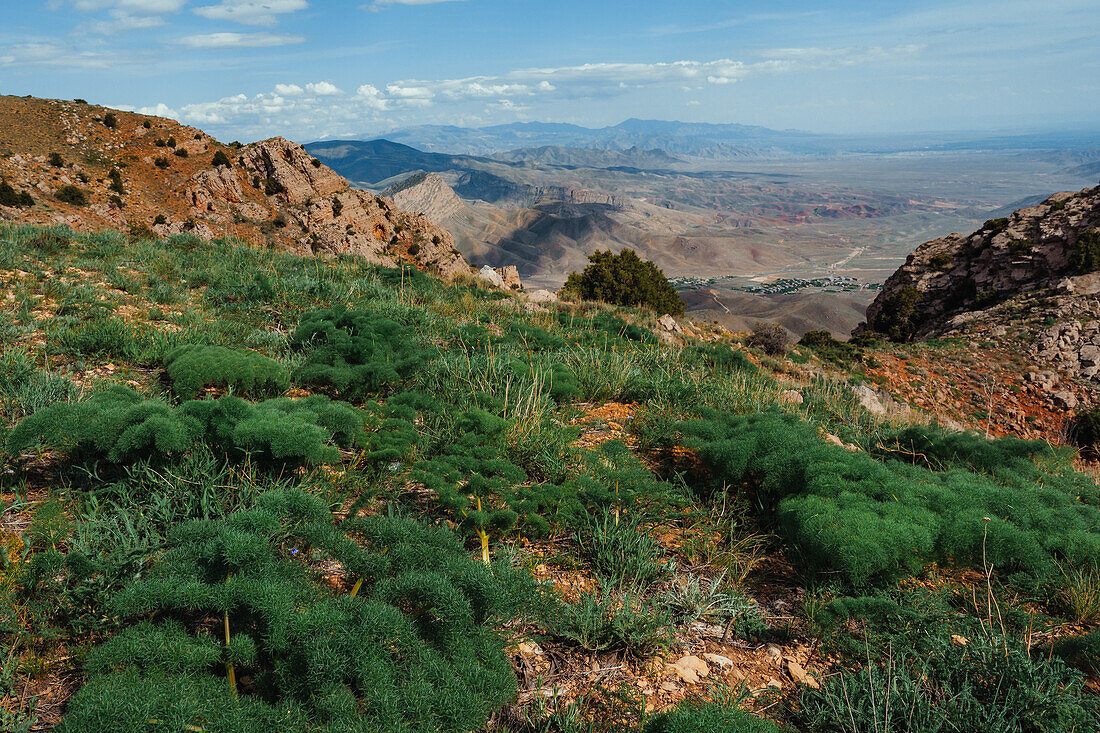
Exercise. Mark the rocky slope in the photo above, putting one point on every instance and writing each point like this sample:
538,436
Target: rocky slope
1025,286
946,283
138,173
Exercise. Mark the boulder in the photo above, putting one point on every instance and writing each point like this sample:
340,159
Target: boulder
869,400
491,276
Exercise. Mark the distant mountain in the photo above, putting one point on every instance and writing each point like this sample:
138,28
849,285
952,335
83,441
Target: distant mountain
565,157
730,141
370,162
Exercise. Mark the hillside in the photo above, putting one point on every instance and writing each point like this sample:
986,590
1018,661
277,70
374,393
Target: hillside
271,193
248,489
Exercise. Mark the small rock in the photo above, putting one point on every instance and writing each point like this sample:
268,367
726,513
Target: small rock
668,323
774,653
1065,400
541,296
690,669
529,649
800,675
718,660
791,397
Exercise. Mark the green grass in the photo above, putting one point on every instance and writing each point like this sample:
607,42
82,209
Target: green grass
167,481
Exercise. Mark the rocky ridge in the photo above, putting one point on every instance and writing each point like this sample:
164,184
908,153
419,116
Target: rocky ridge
271,193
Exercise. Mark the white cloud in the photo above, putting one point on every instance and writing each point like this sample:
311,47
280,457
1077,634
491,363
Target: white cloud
238,40
160,110
382,4
251,12
321,109
122,21
323,89
52,54
289,90
142,7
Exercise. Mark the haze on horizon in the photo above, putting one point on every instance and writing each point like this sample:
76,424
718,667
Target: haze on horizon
308,69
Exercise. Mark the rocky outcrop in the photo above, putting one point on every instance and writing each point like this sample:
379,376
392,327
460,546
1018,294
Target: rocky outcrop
946,281
427,194
272,192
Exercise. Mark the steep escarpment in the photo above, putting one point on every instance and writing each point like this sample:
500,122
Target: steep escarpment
92,168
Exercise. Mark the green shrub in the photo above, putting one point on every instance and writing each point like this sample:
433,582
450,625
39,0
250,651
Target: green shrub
56,160
874,521
17,199
337,206
116,181
355,354
829,349
119,426
406,644
180,152
771,338
941,261
620,554
194,367
71,194
1082,652
1086,253
699,716
109,120
272,187
984,685
899,318
995,226
161,162
220,158
25,389
600,621
625,279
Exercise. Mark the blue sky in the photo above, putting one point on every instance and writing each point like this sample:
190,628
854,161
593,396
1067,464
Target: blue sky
307,69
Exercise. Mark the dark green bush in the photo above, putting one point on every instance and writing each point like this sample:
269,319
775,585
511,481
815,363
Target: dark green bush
995,226
109,120
829,349
625,279
161,163
1086,253
194,367
10,197
56,160
355,354
273,187
874,521
71,194
899,319
405,643
119,426
220,158
180,153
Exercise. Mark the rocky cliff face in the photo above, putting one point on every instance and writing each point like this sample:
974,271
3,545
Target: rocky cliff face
949,280
145,174
1031,279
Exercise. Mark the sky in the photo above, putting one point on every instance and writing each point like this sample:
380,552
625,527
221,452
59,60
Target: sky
313,69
